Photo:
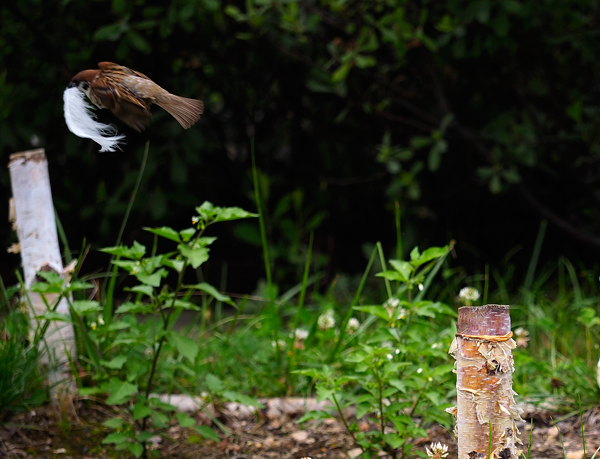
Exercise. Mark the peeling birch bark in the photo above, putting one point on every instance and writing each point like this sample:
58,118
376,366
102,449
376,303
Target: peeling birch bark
485,398
38,240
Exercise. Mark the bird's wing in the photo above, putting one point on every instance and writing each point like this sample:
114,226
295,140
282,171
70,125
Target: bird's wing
121,102
112,67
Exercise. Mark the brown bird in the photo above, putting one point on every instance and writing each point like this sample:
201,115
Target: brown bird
128,95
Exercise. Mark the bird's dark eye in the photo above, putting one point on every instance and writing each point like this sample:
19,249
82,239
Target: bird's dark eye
85,85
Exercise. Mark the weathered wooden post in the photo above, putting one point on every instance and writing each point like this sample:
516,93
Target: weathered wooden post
38,240
485,398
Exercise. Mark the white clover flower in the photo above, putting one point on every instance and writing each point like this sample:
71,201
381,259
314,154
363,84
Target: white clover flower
468,294
522,337
279,342
391,303
437,451
352,325
300,334
326,320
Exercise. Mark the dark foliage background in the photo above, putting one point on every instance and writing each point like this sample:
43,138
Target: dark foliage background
479,118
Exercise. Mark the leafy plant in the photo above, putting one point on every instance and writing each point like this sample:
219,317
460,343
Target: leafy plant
396,370
128,355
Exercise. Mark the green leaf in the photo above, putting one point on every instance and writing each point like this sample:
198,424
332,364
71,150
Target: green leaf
153,279
184,345
341,73
213,383
116,363
85,307
138,41
136,251
187,234
51,315
120,391
114,423
207,433
90,391
195,256
207,288
378,311
393,440
364,61
145,289
133,308
241,398
141,410
166,232
404,268
325,393
185,420
115,438
136,449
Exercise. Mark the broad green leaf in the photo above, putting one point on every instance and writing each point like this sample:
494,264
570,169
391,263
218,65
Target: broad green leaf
42,287
116,363
378,311
213,383
195,256
136,449
85,307
207,433
133,308
120,391
166,232
115,438
140,411
114,423
187,234
184,345
341,73
136,251
393,440
145,289
403,267
187,305
152,279
185,420
207,288
430,254
325,393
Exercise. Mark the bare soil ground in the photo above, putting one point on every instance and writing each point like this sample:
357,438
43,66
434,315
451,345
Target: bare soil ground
40,434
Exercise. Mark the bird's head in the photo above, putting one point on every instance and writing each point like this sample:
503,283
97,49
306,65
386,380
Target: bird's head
83,80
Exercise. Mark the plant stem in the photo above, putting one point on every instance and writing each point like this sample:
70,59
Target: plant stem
339,410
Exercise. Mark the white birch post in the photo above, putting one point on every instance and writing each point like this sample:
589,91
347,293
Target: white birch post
38,240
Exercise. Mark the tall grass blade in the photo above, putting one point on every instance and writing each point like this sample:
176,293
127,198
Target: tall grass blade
363,281
436,267
388,287
399,245
63,238
535,256
109,295
261,219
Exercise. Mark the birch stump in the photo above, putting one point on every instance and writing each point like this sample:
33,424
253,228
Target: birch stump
38,239
485,398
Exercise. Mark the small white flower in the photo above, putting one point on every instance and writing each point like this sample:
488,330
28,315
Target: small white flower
468,294
195,219
300,334
100,320
326,320
420,370
391,303
421,287
353,325
435,345
387,344
390,356
522,337
437,451
279,342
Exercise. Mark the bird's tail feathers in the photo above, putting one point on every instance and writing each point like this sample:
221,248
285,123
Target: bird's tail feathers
185,111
